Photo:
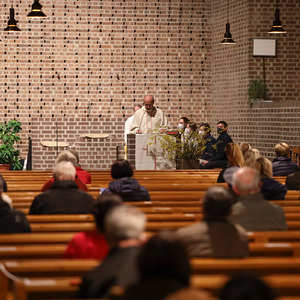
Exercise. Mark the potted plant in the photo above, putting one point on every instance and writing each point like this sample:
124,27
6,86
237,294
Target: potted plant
8,135
257,91
187,150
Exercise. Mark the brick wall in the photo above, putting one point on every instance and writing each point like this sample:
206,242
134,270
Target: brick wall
87,64
233,67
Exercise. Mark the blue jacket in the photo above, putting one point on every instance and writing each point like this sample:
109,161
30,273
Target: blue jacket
222,140
283,166
129,189
272,189
209,150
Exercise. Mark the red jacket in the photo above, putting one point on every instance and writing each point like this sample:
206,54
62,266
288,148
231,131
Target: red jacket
50,181
89,244
84,176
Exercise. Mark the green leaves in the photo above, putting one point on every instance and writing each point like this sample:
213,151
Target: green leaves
8,136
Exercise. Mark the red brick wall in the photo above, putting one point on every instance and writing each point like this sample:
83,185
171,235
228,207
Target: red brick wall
90,61
233,67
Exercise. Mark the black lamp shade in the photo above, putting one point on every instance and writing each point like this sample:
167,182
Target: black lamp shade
227,36
36,11
12,23
277,28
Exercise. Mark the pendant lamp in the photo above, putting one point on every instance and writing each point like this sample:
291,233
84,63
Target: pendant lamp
227,36
12,23
36,11
277,28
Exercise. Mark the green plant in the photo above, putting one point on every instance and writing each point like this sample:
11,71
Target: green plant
257,90
179,146
8,136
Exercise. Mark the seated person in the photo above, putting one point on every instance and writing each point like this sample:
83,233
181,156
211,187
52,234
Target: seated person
271,188
11,221
124,185
207,142
215,236
282,164
292,181
63,197
182,123
244,147
93,244
246,286
5,197
252,211
235,159
164,270
124,228
250,157
219,159
84,176
65,156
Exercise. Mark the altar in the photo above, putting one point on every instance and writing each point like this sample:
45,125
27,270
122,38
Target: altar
146,154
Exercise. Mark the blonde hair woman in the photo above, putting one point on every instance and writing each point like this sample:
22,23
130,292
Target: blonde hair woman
235,158
250,157
270,188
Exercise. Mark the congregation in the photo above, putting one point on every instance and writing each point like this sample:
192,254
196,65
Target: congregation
147,266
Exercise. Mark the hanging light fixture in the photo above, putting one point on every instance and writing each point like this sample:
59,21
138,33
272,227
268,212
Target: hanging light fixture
227,36
12,23
36,11
277,28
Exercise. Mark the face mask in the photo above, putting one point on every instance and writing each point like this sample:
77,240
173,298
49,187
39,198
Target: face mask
220,131
201,132
180,126
187,131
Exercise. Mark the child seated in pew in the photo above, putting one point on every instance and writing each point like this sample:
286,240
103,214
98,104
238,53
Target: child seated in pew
93,244
11,221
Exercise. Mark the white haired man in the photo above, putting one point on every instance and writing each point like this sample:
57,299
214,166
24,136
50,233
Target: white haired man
63,197
253,211
124,229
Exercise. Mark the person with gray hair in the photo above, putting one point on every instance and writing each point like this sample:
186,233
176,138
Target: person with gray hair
252,211
215,236
124,227
63,197
66,156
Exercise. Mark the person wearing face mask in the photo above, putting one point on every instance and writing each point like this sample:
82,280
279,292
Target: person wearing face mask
219,158
182,123
148,117
207,142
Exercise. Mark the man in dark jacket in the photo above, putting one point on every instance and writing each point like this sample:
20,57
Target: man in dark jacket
219,158
282,164
63,197
208,141
11,221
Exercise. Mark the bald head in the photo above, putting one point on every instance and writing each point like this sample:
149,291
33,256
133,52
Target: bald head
246,181
148,102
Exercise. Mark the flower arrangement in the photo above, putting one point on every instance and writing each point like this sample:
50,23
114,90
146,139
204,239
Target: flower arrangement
177,145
